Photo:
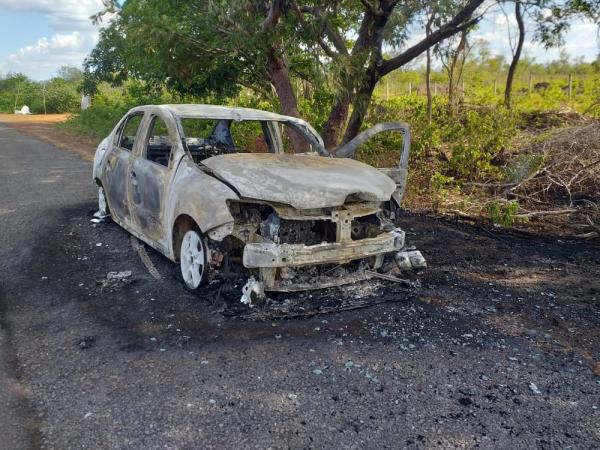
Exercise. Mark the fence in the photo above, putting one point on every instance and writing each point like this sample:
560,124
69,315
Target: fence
569,84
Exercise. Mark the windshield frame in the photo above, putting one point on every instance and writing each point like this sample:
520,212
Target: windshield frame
298,125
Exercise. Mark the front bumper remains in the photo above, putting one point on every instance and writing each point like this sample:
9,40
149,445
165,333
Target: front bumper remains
270,255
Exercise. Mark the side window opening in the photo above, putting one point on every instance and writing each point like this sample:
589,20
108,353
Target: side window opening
128,133
158,145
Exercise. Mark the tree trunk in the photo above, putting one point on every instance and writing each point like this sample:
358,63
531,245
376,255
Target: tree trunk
516,56
456,66
333,128
428,69
360,105
280,78
451,89
428,87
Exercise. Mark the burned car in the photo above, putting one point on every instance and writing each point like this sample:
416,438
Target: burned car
215,187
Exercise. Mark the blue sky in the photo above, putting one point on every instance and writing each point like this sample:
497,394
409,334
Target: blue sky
39,36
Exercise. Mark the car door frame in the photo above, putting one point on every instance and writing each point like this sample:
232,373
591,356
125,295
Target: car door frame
118,161
150,223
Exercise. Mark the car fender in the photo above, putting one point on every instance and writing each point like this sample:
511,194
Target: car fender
101,151
198,195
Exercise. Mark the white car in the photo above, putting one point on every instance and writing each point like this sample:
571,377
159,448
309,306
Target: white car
213,187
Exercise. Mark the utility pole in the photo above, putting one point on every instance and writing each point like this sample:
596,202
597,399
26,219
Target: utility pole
44,95
17,96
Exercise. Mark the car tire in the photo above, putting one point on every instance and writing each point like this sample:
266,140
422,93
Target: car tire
193,259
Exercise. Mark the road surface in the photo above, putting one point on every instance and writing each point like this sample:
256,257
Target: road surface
499,348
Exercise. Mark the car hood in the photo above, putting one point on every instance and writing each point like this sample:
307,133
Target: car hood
303,181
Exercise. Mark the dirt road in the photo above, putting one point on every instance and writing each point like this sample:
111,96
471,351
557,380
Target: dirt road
497,349
43,127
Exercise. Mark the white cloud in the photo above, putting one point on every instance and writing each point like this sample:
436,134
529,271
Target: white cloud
73,36
62,14
47,55
580,41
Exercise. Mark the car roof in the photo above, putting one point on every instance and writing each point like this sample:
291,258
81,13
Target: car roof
235,113
225,112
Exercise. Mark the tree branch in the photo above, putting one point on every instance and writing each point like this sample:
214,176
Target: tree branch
372,8
333,35
335,38
458,23
273,16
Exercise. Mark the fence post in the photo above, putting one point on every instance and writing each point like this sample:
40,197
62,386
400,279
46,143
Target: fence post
530,83
435,88
409,88
387,88
495,86
570,86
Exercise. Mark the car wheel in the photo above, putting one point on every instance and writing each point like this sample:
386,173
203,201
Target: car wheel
193,259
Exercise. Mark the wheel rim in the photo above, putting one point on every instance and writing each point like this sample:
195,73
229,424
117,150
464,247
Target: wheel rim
192,259
102,205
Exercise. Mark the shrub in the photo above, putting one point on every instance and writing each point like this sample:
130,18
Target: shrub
95,122
503,213
478,137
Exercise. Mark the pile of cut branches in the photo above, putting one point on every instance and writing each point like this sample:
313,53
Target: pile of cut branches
565,190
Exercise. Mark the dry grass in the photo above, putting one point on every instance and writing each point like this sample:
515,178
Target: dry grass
33,118
565,190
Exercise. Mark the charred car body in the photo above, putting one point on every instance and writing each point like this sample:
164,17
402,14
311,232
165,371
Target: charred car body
212,187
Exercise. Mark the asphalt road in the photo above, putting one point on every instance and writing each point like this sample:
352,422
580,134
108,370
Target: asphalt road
498,349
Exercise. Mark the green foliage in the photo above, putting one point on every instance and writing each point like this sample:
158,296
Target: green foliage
383,150
440,187
61,96
478,137
60,93
95,122
503,213
16,90
468,141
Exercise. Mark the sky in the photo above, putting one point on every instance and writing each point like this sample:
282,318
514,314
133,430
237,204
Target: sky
40,36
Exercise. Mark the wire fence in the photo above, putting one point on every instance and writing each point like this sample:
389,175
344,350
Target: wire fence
567,85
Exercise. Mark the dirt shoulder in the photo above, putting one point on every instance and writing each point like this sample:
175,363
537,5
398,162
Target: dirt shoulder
43,127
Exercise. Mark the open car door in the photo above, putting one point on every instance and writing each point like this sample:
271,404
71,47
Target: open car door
398,173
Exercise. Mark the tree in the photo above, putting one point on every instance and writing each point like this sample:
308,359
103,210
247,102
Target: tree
214,47
453,55
363,62
516,55
16,90
553,18
428,30
70,74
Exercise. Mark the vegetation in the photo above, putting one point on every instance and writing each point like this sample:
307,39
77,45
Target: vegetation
57,95
344,66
